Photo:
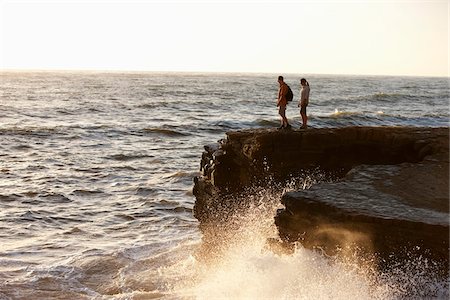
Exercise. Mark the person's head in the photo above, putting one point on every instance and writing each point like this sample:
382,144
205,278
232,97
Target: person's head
280,79
304,82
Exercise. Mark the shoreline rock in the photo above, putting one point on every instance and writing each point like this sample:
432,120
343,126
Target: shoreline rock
387,187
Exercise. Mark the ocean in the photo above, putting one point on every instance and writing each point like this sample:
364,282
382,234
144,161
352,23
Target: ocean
96,177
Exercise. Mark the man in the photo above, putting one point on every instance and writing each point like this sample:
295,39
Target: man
282,103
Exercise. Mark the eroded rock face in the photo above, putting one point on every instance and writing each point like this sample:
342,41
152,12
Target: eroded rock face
390,190
249,155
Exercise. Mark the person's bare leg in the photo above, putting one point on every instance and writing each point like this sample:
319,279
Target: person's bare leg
280,112
304,118
284,121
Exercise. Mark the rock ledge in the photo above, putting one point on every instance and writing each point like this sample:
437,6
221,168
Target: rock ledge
389,190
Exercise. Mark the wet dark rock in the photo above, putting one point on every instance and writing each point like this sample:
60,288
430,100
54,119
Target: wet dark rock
390,190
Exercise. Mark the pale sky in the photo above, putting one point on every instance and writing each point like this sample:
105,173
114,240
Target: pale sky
303,37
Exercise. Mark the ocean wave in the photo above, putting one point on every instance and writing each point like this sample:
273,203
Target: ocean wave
352,114
55,198
128,157
390,97
9,198
340,113
177,209
65,132
33,202
143,191
74,231
153,105
227,124
22,147
83,192
30,215
163,131
376,118
349,118
267,123
66,112
182,174
387,96
165,202
126,168
380,114
30,131
125,217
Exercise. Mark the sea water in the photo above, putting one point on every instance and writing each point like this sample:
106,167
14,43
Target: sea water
96,177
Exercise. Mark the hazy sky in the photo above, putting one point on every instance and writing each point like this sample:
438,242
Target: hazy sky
321,37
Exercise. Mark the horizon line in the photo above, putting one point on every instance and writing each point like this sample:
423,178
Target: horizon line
25,70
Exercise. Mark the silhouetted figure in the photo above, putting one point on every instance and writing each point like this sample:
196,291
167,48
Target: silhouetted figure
282,103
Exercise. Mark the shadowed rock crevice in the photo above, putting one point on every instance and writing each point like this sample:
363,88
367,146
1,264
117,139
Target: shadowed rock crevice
389,193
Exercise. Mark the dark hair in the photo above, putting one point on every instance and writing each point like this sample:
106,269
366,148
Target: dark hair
280,78
304,80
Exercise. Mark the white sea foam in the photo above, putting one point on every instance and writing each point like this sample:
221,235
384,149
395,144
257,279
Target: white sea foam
250,269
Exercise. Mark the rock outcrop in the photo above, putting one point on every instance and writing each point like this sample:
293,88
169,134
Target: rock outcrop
387,188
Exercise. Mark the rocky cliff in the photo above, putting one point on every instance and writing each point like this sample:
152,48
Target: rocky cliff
385,190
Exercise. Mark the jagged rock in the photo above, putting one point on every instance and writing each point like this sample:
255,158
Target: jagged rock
390,189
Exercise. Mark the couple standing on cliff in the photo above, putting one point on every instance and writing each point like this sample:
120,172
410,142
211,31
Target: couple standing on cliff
282,102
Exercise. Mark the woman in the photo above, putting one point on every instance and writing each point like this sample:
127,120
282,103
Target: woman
303,103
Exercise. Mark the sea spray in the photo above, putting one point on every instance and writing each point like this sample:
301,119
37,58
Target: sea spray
251,271
247,267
